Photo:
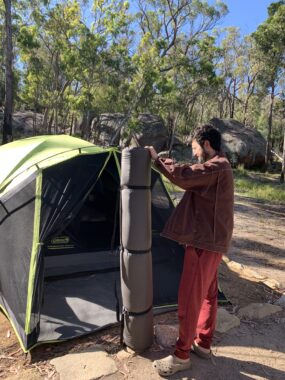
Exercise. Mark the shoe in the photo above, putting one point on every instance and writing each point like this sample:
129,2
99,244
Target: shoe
170,365
201,351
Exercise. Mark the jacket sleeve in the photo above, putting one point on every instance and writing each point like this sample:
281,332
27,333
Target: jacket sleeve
195,177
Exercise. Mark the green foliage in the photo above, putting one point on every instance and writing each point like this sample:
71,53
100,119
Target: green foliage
259,186
167,58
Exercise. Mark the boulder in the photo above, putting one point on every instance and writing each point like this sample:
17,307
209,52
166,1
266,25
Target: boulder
258,310
242,145
166,335
280,301
106,130
151,130
112,129
180,152
25,124
226,321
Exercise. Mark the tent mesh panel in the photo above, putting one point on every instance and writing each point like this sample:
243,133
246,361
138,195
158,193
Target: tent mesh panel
16,236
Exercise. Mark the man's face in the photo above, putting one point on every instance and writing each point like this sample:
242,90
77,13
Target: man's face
198,151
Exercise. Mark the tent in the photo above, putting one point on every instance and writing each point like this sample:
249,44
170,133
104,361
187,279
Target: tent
60,239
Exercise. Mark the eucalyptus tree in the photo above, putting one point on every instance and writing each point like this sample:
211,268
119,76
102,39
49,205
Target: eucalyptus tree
75,65
250,70
48,51
174,56
270,40
8,106
2,54
229,69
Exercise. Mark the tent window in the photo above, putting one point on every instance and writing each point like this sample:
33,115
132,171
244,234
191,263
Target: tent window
96,226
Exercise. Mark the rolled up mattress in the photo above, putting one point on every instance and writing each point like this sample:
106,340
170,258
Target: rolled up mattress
136,261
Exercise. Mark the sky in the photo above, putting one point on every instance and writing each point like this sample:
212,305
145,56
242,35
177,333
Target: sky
246,14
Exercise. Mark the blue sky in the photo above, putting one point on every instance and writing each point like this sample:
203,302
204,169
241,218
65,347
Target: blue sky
246,14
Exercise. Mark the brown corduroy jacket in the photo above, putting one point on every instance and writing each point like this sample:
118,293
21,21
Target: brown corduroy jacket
204,216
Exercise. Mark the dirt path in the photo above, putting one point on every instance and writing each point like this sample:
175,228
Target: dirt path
254,350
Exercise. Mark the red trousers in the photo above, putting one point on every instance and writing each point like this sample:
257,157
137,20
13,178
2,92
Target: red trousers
197,300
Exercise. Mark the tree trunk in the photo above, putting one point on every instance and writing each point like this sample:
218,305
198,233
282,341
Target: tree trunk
221,108
283,161
34,123
8,108
270,117
202,112
50,123
45,120
232,105
56,120
249,92
83,125
71,124
245,108
65,121
173,125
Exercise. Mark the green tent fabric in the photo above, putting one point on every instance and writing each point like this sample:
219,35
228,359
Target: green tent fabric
42,151
60,239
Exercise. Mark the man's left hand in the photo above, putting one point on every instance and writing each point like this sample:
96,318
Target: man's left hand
152,152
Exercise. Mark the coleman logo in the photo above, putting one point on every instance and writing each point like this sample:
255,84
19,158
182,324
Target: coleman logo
60,240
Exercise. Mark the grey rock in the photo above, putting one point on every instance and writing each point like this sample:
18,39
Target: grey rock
243,145
258,310
106,129
150,131
280,301
86,365
25,124
181,152
166,335
113,129
226,321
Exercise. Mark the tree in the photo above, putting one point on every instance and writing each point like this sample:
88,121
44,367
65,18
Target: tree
175,55
270,40
8,107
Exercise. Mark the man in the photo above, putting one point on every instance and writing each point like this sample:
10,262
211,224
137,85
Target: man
203,223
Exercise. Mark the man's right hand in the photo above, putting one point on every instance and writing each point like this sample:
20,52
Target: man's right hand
152,152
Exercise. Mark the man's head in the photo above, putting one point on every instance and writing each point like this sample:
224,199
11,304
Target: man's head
206,142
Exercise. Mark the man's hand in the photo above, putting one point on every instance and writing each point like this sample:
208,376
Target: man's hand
152,152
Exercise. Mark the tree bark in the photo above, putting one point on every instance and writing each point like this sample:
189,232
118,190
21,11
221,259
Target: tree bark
249,93
270,117
71,124
283,162
174,125
232,104
50,122
56,120
8,108
45,120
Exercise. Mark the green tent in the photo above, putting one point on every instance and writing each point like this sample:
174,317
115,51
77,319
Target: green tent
60,239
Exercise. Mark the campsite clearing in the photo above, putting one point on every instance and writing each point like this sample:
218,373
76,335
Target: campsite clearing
254,350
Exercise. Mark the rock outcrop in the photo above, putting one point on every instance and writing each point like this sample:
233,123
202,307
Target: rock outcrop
242,145
112,129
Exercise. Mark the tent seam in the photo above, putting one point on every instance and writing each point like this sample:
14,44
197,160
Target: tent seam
35,247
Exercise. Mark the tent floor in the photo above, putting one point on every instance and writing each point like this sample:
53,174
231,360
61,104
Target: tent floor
79,305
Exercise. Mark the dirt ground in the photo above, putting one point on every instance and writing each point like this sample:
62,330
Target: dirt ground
254,350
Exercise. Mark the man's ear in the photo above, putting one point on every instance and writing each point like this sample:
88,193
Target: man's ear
206,144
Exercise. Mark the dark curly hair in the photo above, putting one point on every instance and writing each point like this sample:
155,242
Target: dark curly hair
210,133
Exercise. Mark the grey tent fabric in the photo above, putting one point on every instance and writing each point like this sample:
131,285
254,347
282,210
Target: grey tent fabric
136,260
78,305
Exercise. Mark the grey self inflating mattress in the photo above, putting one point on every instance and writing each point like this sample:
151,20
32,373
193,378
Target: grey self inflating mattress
136,261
